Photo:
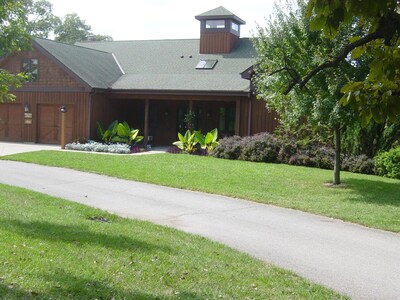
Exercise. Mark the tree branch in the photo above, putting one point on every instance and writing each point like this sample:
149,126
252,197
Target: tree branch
335,62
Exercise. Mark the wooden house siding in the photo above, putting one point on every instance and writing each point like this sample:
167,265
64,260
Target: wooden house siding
44,124
262,120
217,42
50,74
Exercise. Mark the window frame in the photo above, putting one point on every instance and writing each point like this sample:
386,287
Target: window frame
221,21
30,67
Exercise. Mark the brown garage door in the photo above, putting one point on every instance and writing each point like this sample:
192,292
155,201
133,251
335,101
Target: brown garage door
11,117
49,123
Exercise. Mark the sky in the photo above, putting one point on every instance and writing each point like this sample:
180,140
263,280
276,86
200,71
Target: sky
159,19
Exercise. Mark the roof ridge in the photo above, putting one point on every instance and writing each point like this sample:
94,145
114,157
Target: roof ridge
72,45
125,41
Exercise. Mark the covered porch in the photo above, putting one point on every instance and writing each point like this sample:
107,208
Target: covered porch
160,117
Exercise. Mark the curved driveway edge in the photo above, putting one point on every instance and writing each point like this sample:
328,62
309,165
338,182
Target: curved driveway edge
353,260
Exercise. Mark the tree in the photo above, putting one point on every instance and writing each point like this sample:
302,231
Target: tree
376,96
13,37
287,48
72,29
100,38
41,21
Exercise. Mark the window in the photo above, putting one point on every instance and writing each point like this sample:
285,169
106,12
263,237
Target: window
210,24
206,64
30,68
226,124
235,26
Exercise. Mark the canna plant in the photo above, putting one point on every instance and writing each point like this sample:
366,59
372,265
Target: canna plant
119,133
186,142
208,141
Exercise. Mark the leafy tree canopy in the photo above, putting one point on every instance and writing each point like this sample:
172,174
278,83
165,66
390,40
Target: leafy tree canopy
13,37
287,49
72,29
376,96
41,20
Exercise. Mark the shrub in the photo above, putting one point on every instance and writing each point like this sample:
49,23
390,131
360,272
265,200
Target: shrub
288,148
228,148
261,147
173,150
388,163
358,164
99,147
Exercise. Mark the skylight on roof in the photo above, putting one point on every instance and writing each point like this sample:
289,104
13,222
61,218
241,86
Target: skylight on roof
208,64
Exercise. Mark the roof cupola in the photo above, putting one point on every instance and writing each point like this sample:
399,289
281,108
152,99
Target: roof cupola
219,30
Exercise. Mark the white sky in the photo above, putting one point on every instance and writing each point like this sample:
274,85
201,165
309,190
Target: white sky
159,19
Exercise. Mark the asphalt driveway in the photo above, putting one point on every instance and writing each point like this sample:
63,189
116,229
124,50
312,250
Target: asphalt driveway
357,261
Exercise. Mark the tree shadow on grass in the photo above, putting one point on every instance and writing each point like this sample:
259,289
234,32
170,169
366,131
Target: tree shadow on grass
78,235
375,191
63,285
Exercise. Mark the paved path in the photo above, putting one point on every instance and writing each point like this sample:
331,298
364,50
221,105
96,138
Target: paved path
7,148
360,262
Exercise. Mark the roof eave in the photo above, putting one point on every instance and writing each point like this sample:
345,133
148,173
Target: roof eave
179,92
219,17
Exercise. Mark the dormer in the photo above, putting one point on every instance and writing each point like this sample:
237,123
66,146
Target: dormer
219,30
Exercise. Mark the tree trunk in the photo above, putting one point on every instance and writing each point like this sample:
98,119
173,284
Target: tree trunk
336,168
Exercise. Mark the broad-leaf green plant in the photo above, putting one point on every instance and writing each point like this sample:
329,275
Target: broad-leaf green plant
119,133
186,142
207,141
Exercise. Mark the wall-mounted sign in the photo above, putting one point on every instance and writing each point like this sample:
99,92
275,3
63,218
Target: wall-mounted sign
28,115
28,121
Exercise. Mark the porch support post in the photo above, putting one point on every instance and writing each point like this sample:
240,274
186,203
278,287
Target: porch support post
190,106
146,120
237,118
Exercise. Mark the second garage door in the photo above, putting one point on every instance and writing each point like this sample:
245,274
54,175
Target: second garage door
49,124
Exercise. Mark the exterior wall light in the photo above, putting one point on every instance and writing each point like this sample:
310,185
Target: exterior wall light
63,109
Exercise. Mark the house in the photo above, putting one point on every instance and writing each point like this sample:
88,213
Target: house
151,84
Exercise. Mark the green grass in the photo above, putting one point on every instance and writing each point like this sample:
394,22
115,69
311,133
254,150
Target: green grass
56,249
368,200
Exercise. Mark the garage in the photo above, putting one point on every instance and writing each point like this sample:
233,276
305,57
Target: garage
11,122
49,124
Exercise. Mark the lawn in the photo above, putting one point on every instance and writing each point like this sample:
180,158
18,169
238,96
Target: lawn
364,199
56,249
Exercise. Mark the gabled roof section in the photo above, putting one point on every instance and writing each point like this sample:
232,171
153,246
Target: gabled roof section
170,65
219,13
97,69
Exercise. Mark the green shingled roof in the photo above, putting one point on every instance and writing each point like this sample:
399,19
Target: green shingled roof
160,65
219,13
98,69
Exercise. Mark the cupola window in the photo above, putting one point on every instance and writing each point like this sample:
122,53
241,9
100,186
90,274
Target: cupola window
235,26
212,24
